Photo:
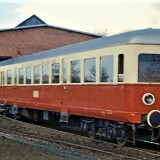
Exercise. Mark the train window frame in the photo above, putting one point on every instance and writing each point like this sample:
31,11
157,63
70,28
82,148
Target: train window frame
15,76
26,75
121,59
55,80
148,68
78,75
47,81
9,74
39,75
93,77
23,75
64,71
103,67
3,77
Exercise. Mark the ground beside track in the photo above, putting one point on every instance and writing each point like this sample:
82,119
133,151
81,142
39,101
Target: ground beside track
11,150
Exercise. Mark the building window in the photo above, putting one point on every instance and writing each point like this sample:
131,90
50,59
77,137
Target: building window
36,75
28,75
45,74
55,73
64,72
75,71
106,69
9,77
21,76
90,70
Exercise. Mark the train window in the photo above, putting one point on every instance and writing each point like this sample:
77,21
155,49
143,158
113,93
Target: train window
15,76
90,70
9,77
2,77
120,67
45,74
21,76
55,73
149,68
28,75
64,72
36,75
106,69
75,71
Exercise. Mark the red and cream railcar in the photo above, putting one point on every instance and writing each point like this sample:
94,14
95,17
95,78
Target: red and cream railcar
109,87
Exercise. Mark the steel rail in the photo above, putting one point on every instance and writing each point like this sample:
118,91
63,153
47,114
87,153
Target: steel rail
79,141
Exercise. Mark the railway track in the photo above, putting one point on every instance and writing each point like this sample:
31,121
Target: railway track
76,143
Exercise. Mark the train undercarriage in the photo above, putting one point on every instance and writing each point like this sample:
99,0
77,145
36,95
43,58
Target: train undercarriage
120,132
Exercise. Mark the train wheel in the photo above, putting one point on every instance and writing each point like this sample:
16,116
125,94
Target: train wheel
92,135
92,131
123,138
122,142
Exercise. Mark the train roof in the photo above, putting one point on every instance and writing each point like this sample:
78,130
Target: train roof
145,36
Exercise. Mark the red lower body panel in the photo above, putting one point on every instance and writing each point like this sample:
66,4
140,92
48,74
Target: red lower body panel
115,102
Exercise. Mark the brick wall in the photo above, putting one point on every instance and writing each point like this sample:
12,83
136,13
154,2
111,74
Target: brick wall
15,43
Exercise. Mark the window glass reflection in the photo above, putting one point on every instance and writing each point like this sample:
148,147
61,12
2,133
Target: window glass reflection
90,70
75,71
45,74
149,68
36,75
64,72
9,76
2,77
15,76
106,70
28,75
55,73
21,76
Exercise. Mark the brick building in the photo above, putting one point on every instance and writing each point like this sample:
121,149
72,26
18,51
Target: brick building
34,35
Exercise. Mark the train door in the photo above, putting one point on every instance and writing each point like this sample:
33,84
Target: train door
64,112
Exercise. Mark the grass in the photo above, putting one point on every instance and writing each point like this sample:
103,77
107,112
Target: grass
11,150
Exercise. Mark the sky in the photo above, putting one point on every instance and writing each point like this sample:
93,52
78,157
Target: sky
96,16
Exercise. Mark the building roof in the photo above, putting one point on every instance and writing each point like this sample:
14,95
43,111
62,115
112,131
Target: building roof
33,20
36,22
145,36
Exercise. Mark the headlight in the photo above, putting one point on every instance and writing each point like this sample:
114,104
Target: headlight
153,118
148,99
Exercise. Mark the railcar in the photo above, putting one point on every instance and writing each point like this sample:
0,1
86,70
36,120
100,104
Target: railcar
108,87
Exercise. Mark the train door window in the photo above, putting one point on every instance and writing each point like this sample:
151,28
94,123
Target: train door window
36,75
9,77
106,69
28,75
90,70
120,68
45,74
21,76
64,72
55,73
75,71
